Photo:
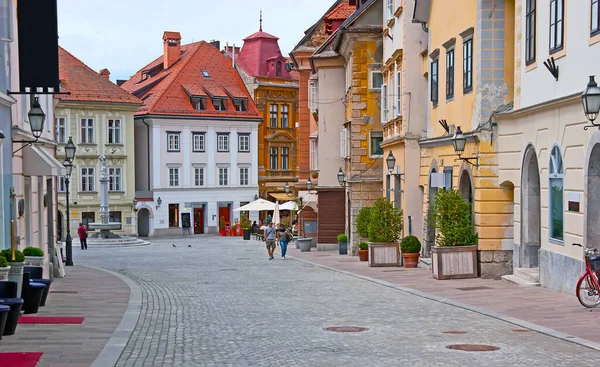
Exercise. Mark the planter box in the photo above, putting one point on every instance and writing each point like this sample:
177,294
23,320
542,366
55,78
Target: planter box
304,244
384,254
4,274
37,261
456,262
15,274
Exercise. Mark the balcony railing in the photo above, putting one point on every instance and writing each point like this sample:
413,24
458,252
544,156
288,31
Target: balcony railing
280,173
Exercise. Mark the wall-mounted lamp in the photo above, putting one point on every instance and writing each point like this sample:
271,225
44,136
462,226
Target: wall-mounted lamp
36,122
255,197
341,177
459,141
391,162
591,102
158,202
134,208
286,188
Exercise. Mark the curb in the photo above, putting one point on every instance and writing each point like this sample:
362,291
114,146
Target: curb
118,341
540,329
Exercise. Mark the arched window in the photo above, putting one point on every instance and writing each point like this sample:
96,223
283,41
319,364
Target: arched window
556,176
278,68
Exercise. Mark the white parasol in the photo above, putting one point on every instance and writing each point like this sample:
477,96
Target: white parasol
257,205
276,217
289,205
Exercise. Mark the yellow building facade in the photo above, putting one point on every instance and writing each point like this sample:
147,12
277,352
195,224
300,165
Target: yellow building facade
470,71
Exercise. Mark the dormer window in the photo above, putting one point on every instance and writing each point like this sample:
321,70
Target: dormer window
198,104
219,104
240,105
205,74
278,70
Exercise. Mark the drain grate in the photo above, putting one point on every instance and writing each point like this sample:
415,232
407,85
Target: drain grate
64,292
454,332
472,347
521,330
473,288
346,329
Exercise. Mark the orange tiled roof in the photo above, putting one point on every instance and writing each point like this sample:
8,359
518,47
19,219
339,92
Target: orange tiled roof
167,92
87,85
341,12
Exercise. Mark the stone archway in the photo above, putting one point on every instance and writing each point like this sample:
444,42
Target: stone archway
143,219
593,197
526,254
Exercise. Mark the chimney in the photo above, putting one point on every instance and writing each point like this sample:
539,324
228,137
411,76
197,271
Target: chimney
216,44
172,46
120,82
105,73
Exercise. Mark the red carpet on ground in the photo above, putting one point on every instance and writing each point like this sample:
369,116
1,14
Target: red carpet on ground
19,359
49,320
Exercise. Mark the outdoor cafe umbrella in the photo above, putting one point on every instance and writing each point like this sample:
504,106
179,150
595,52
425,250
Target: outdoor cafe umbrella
257,205
289,205
276,217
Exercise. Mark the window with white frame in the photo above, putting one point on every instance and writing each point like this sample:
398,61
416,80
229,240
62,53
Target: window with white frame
61,130
468,65
273,155
389,9
434,84
114,131
557,8
173,142
115,179
345,143
223,176
376,79
398,93
5,20
199,176
198,142
61,184
384,104
244,171
285,115
375,149
449,74
87,179
273,114
239,104
87,131
174,176
349,73
391,80
220,104
244,143
313,95
285,158
556,177
314,154
222,142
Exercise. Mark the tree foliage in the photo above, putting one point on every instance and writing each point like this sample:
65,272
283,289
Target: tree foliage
385,224
451,217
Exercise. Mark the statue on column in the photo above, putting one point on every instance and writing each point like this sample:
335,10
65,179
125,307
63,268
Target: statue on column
103,172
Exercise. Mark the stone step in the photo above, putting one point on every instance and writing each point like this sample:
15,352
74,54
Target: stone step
529,274
519,281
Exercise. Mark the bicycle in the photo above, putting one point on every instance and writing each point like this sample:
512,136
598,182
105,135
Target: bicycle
588,285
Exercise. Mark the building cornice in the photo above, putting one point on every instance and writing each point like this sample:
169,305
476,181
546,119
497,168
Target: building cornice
541,106
97,105
195,118
7,100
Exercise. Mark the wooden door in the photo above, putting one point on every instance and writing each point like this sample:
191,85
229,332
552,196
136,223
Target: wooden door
198,221
224,212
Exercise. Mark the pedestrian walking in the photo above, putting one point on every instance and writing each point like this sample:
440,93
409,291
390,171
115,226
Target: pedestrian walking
82,232
283,236
270,239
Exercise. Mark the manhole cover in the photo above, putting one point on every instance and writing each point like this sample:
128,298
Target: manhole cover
454,332
64,292
473,288
521,330
472,347
346,329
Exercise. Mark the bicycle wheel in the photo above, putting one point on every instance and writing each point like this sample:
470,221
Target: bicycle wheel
586,293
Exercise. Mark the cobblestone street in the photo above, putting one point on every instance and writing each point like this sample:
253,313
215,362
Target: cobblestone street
220,302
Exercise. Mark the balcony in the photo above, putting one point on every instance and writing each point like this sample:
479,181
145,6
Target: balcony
279,174
393,129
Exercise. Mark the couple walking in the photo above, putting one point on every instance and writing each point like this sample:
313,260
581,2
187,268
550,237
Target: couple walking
272,235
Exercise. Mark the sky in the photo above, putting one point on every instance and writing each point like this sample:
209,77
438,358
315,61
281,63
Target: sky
125,35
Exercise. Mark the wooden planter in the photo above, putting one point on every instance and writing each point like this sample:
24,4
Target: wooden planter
384,254
456,262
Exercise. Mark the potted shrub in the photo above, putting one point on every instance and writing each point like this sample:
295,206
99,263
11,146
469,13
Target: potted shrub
245,225
410,247
222,226
33,256
362,222
314,174
454,255
15,274
342,244
363,251
385,228
4,268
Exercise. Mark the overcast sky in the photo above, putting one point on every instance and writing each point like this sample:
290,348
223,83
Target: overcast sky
125,35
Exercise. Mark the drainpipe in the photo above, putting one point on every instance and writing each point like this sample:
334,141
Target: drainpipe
148,130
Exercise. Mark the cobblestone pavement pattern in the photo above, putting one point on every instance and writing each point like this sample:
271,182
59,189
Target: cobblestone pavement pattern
222,303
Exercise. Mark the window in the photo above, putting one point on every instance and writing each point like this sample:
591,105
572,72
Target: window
244,176
87,218
389,13
222,142
449,74
314,154
278,69
556,175
87,131
173,177
557,8
240,105
376,79
173,215
219,104
273,157
198,104
434,82
114,179
448,178
313,96
114,217
173,142
384,104
595,21
285,159
375,144
273,115
62,184
5,21
345,143
87,179
285,115
114,131
530,21
243,143
468,66
198,142
223,176
205,74
199,176
398,93
61,130
349,73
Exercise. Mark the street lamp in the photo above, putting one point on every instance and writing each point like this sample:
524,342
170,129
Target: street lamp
158,202
591,102
341,176
309,184
69,241
391,162
135,203
255,197
287,188
459,141
70,149
36,123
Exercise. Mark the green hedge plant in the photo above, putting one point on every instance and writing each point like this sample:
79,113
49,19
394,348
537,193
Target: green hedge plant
7,254
362,221
245,222
33,251
410,245
342,238
385,224
3,262
363,245
451,217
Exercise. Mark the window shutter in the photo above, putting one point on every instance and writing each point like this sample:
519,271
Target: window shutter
343,143
383,104
398,93
348,143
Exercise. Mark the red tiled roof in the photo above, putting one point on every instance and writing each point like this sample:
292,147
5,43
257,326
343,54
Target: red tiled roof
87,85
260,34
165,92
341,12
259,56
236,92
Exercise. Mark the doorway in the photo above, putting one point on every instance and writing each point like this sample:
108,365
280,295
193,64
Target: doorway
224,211
531,207
87,218
144,222
199,220
59,225
593,198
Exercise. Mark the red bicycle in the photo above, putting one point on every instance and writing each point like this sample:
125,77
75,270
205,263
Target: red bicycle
588,285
